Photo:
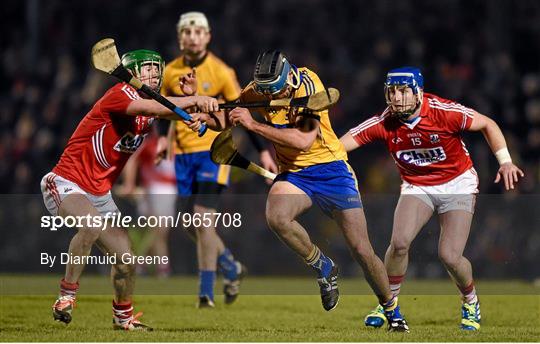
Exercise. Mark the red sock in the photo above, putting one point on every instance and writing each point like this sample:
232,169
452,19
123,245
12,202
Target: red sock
395,284
122,310
67,288
468,294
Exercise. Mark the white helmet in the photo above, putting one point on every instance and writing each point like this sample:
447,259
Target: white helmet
192,19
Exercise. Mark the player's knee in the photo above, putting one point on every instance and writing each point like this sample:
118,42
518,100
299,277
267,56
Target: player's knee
277,220
203,233
449,258
88,236
123,270
275,223
399,247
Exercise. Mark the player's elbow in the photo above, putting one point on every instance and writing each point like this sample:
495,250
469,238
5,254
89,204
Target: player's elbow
490,124
489,128
306,146
482,123
305,143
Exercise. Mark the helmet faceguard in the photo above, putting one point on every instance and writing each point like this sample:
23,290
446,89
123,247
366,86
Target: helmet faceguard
400,78
271,73
135,60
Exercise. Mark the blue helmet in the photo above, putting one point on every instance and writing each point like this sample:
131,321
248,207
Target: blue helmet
405,76
409,77
271,72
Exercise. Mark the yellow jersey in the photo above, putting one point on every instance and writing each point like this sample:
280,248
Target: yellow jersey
214,79
326,147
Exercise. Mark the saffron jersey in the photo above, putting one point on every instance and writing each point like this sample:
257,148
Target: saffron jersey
326,147
103,142
429,150
214,79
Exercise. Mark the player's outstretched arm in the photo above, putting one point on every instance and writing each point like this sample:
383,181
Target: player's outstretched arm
368,131
349,142
508,172
149,107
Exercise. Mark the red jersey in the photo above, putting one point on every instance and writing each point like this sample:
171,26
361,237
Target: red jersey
103,142
429,150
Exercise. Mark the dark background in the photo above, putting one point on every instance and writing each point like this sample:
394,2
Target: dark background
484,54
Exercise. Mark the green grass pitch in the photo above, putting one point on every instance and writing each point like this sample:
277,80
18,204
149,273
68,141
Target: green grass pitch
270,309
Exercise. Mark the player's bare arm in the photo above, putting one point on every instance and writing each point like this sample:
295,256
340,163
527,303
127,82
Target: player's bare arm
508,172
148,107
300,137
349,142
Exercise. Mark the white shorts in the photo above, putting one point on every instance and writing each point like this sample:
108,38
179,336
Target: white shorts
159,200
457,194
55,188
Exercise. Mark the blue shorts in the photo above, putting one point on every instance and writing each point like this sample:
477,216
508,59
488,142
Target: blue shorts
332,186
192,168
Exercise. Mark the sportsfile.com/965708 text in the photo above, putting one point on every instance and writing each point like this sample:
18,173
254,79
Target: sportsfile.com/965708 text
117,220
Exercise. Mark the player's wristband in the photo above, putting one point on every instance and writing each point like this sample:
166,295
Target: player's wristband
503,156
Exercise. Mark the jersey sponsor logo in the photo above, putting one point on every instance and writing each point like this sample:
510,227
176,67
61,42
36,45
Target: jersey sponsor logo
421,157
129,143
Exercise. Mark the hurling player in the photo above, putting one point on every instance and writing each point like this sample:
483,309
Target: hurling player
80,183
423,135
313,170
196,173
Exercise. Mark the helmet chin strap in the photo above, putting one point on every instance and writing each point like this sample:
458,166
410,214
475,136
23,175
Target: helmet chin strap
294,79
403,115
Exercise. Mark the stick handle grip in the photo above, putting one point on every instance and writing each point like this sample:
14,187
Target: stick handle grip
260,171
244,105
168,104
